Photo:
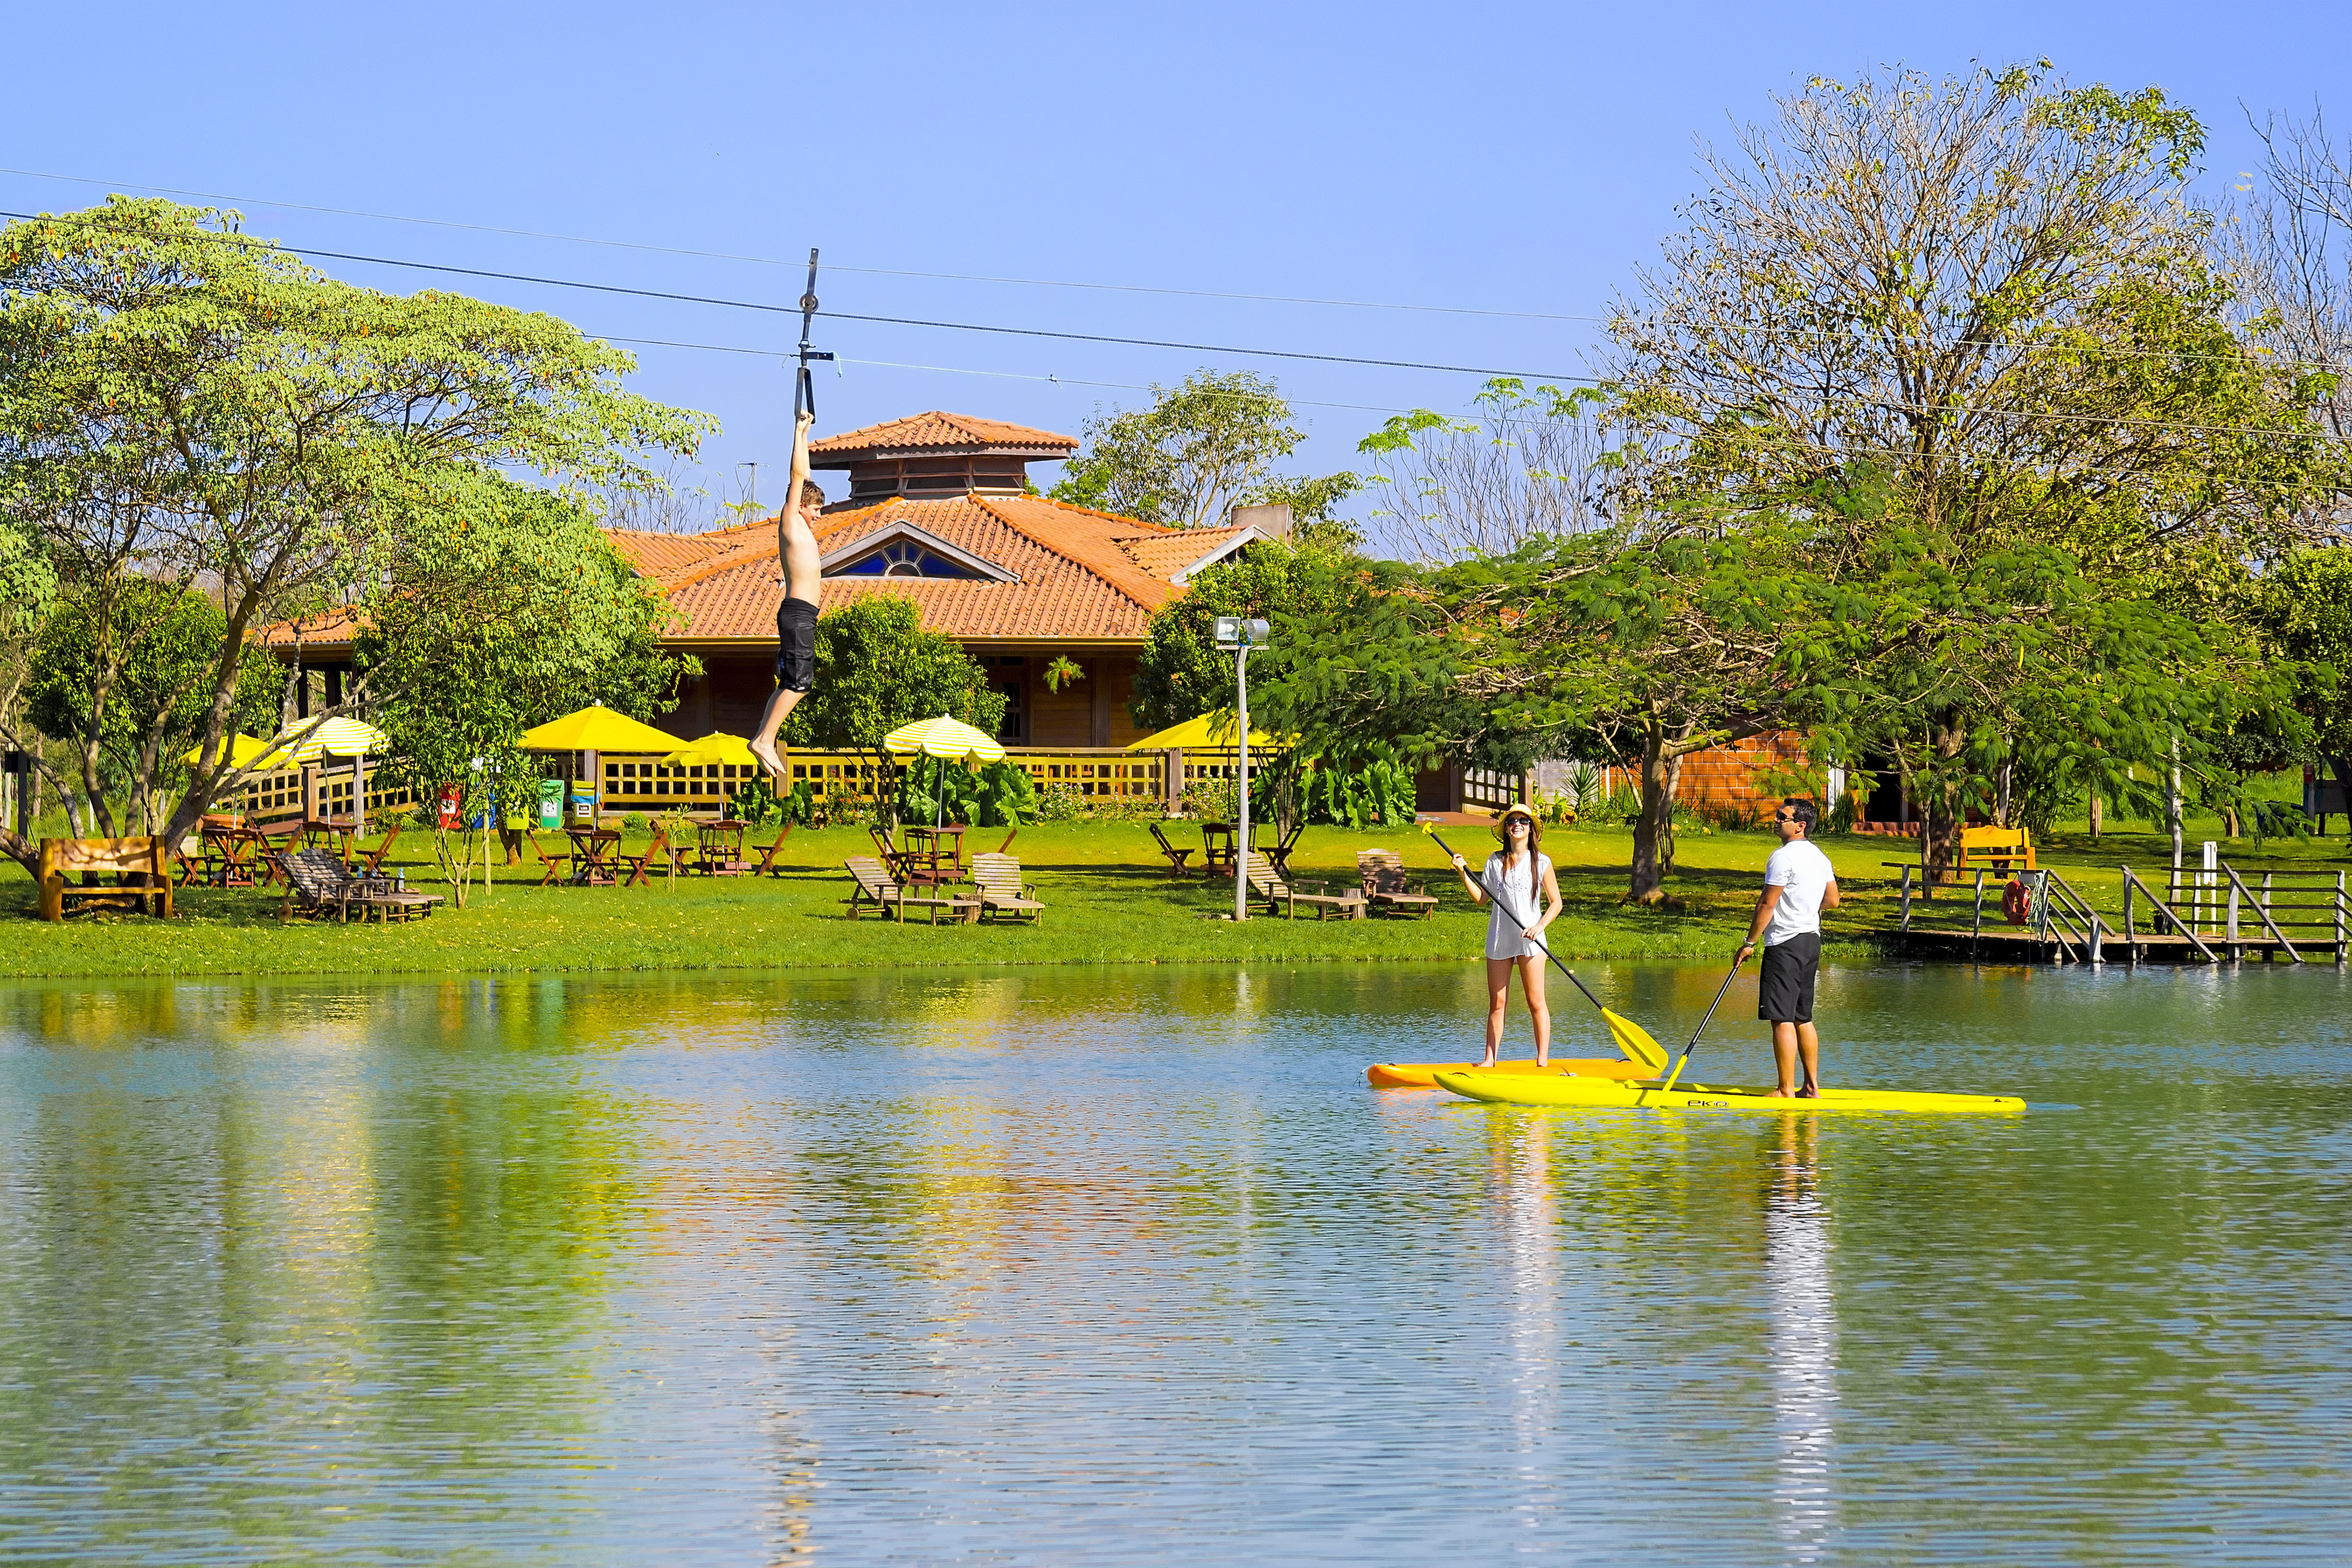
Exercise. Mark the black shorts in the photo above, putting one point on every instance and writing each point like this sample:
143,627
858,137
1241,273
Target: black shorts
795,644
1786,995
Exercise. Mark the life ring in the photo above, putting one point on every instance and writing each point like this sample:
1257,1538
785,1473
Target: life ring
2014,901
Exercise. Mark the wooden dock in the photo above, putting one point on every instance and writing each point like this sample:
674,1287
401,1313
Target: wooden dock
2009,944
2213,914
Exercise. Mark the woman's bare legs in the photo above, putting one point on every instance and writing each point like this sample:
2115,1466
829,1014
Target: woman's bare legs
1531,979
1498,993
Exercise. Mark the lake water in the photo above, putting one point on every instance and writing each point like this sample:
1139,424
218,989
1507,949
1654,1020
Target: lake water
1097,1266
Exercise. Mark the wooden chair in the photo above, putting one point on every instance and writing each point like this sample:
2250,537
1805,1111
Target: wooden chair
370,861
901,865
874,885
558,862
1281,896
637,865
229,857
718,849
593,850
1216,848
147,859
1384,884
1002,891
1280,853
1176,856
768,866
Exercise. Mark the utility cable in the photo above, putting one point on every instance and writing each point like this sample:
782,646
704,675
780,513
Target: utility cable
830,265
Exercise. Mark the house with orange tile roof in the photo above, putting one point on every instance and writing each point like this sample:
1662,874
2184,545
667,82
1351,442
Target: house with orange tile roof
939,511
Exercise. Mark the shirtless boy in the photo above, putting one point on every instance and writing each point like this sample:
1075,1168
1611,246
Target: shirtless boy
796,617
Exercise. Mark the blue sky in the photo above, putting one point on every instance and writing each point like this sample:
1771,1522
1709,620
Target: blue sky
1506,158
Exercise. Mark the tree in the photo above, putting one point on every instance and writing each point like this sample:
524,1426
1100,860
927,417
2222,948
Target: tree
118,678
1204,446
182,403
512,609
2306,610
1992,298
1179,674
1534,463
876,668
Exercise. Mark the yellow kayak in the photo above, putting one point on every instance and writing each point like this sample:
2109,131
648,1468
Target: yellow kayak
1424,1075
1565,1089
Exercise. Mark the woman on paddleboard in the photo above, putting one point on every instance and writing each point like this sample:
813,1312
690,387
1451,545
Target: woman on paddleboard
1512,876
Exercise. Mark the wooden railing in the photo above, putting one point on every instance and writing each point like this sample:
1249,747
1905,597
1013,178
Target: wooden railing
645,783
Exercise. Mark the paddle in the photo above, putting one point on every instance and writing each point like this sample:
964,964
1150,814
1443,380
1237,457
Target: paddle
1632,1039
1703,1022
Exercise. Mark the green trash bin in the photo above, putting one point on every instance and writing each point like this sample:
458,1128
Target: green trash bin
550,803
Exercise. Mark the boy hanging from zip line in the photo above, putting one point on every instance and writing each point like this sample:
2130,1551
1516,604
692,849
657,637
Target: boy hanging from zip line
796,617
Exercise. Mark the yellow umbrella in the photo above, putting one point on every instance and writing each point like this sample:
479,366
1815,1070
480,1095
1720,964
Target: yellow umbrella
597,727
715,748
242,750
328,737
941,737
1207,733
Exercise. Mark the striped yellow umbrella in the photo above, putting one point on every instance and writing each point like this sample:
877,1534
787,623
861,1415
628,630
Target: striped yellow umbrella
306,742
941,737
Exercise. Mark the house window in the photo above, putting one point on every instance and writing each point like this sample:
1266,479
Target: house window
903,558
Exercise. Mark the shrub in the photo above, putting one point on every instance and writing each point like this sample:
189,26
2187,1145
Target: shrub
636,822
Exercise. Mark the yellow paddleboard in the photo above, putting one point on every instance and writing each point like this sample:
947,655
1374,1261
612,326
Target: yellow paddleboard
1424,1075
1562,1089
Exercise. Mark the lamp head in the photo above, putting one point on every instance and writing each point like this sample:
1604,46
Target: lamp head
1240,631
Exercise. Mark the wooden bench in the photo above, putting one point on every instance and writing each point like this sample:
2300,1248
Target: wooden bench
1998,849
125,857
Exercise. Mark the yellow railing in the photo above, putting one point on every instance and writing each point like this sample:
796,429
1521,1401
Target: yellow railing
647,783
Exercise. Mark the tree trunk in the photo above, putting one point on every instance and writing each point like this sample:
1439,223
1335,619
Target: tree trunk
1653,830
1939,817
2172,804
2098,812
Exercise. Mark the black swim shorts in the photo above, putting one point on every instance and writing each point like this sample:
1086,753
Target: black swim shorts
795,644
1786,995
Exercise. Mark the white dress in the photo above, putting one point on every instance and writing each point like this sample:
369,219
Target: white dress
1519,891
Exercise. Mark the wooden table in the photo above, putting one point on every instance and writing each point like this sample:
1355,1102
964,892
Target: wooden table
592,865
232,856
1216,848
928,845
719,848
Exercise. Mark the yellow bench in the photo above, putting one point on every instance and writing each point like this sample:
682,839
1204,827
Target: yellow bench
1999,849
125,857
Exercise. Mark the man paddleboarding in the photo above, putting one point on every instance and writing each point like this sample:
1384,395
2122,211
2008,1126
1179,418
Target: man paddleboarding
1513,874
796,617
1798,884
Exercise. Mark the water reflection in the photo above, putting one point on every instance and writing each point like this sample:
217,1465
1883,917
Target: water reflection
1797,1254
1130,1266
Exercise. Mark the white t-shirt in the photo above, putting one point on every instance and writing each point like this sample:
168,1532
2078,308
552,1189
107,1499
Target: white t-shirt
1803,874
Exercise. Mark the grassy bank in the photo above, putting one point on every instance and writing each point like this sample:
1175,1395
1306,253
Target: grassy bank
1109,902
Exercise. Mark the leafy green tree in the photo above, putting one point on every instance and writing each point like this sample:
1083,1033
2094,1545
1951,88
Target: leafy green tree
118,678
185,404
1181,674
1203,446
512,609
2305,606
876,668
1992,299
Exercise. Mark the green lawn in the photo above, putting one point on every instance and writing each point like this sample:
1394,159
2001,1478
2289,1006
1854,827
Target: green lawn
1107,902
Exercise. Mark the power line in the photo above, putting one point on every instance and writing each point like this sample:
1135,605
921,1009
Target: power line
831,265
1539,376
884,321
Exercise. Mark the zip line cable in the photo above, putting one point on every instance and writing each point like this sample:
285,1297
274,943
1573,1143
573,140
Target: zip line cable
831,265
884,321
1959,411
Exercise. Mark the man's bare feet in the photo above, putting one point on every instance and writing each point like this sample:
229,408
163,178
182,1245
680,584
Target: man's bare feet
765,753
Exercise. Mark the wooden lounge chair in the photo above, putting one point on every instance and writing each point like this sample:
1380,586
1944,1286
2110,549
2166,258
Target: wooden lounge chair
319,884
1383,872
768,864
659,849
1176,856
875,886
1008,841
146,859
1002,892
558,862
1284,896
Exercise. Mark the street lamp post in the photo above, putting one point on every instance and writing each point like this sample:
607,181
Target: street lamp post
1242,636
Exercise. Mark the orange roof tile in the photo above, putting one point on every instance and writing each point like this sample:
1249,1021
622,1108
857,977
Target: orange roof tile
1165,555
1075,579
937,431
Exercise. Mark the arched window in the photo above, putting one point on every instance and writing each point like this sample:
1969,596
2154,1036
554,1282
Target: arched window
903,558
